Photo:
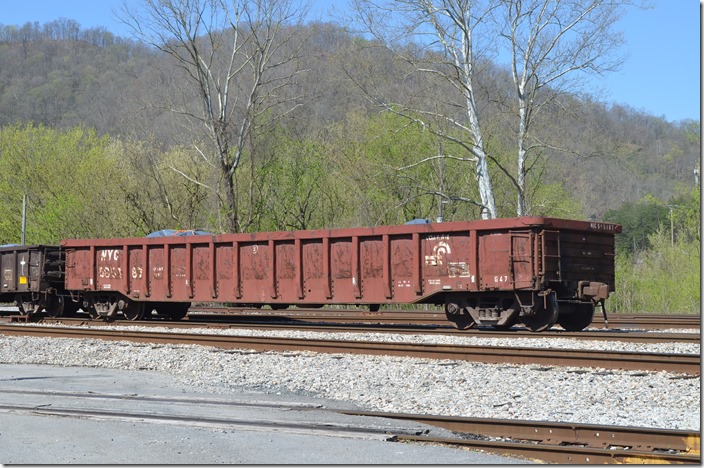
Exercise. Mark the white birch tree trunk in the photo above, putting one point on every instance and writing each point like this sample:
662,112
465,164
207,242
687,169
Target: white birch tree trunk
521,208
550,42
481,168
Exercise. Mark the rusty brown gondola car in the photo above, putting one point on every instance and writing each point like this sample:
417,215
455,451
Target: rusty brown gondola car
532,270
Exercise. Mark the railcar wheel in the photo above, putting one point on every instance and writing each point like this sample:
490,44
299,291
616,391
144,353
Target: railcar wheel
150,309
71,307
462,322
544,317
575,317
161,309
511,322
178,310
55,306
134,311
92,311
19,303
89,307
26,305
459,317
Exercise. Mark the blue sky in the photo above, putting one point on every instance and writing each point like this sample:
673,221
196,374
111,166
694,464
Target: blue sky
660,77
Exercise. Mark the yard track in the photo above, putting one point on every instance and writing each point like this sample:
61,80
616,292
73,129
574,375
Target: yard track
427,317
676,363
443,330
538,440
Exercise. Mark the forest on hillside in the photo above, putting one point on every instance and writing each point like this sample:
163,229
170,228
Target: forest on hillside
101,134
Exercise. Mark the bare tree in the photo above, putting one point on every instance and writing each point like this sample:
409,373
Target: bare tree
446,33
549,43
240,57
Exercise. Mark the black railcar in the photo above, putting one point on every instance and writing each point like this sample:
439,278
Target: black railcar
33,278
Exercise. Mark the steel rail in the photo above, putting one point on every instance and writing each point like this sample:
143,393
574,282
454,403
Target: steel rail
556,433
676,363
548,441
607,335
415,317
294,426
566,454
594,435
546,452
649,321
646,321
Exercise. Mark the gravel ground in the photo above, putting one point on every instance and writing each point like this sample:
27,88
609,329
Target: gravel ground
383,383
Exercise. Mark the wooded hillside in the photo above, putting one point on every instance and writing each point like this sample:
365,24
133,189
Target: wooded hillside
108,137
333,160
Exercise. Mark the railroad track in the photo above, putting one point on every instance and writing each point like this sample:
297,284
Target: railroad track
409,317
649,321
518,332
421,317
567,442
676,363
537,440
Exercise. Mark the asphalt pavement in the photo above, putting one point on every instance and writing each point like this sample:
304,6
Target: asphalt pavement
74,415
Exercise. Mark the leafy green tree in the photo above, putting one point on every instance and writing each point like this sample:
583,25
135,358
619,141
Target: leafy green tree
293,188
686,215
658,260
663,279
639,220
375,161
389,175
72,181
159,193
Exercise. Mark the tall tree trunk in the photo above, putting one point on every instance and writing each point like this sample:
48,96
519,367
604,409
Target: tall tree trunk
521,209
231,206
486,190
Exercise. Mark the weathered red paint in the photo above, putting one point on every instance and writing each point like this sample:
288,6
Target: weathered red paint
377,265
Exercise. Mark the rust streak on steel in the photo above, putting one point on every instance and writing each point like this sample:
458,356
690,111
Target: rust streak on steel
556,433
676,363
566,442
567,454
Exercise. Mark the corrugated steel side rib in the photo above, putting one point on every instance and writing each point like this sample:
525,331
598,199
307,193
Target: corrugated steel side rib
376,265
